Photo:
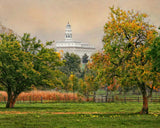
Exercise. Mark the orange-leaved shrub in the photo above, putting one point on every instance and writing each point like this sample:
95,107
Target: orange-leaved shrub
47,96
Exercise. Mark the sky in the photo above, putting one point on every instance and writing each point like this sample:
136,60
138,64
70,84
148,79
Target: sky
46,19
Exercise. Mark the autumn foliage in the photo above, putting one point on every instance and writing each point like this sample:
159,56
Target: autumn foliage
46,96
128,38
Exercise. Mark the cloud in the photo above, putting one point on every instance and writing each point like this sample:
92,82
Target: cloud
46,19
151,7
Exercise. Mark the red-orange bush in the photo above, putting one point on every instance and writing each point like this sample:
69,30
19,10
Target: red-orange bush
45,96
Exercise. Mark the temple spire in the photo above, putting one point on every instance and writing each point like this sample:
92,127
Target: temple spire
68,32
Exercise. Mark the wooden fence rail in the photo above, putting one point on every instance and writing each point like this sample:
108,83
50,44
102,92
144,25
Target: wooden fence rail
124,99
98,99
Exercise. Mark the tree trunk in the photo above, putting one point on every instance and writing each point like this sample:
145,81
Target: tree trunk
145,98
94,96
106,95
11,99
145,105
87,97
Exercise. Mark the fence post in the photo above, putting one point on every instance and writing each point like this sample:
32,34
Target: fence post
41,99
36,99
106,94
30,99
4,99
94,96
102,99
106,98
112,98
109,99
64,98
73,97
99,100
52,100
124,99
138,98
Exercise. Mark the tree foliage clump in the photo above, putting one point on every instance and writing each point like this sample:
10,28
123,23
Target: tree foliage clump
85,58
155,54
127,40
26,62
71,64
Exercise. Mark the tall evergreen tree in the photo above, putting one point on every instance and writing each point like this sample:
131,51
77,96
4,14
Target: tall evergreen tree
85,58
71,64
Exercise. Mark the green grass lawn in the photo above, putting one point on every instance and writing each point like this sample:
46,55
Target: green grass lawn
111,115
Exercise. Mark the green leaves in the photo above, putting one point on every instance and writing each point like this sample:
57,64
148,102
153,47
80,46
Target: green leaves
30,44
26,62
155,54
128,38
16,64
49,43
71,64
85,58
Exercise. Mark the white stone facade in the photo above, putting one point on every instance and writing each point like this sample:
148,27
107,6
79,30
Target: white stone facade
71,46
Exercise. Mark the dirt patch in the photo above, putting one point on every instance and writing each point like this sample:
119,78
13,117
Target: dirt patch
18,112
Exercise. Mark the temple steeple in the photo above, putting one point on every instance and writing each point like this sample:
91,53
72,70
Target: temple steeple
73,46
68,32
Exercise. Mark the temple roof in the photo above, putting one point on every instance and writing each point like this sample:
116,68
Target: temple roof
68,25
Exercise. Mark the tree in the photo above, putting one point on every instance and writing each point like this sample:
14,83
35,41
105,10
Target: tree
155,54
91,82
25,63
45,60
82,87
85,58
73,82
127,39
15,68
100,63
63,83
71,64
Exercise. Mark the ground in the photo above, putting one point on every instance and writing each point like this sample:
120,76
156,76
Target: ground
77,115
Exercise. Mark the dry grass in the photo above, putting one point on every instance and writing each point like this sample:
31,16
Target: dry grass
49,96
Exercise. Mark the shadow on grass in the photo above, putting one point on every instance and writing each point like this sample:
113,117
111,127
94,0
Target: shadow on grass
18,108
111,114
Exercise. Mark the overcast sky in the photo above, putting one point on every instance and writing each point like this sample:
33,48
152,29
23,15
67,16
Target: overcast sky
47,19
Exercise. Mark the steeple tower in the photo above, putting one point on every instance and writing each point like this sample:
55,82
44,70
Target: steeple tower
68,32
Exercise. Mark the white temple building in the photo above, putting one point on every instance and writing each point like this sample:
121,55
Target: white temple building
71,46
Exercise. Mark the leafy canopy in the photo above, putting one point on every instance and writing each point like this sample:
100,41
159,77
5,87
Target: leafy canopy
155,54
128,38
25,62
71,64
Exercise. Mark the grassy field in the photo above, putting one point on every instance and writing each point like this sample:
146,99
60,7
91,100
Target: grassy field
79,115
